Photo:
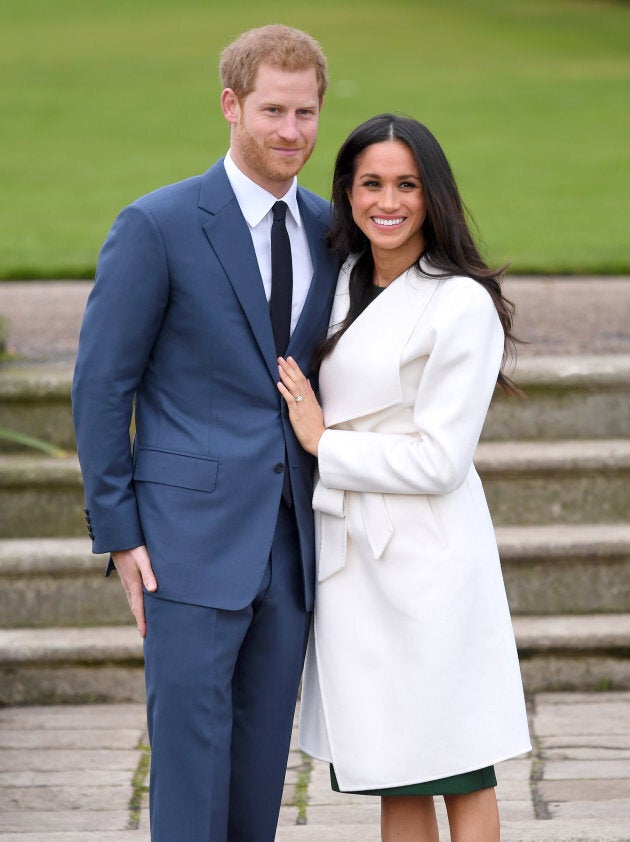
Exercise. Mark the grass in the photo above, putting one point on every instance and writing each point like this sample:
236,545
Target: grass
301,789
139,785
15,437
104,100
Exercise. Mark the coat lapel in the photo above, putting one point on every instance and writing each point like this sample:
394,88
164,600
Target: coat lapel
362,375
231,241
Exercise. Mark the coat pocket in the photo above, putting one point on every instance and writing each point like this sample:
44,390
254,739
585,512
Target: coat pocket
435,504
197,473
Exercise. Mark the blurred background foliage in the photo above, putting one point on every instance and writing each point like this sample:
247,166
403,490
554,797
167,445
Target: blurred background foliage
103,100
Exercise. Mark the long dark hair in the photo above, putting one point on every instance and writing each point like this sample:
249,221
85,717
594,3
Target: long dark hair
449,245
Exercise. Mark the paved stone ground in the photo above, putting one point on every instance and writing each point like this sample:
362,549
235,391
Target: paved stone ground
77,774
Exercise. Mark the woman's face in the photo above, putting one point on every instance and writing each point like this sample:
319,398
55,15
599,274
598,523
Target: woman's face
387,199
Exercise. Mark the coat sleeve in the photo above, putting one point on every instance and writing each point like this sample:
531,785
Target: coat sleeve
122,318
448,415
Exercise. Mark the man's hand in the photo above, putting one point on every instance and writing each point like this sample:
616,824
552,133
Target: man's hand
134,569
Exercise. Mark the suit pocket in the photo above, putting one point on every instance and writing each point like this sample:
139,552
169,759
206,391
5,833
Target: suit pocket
198,473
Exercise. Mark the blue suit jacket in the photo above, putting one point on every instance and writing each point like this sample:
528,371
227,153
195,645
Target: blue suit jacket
177,323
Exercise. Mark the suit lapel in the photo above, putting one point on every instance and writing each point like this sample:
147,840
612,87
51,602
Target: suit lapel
229,236
325,268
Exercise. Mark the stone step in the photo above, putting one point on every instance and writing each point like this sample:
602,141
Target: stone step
574,652
566,569
35,401
566,397
544,482
57,582
104,664
553,569
40,496
78,665
527,483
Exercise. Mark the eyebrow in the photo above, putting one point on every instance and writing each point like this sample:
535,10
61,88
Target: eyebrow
377,175
271,104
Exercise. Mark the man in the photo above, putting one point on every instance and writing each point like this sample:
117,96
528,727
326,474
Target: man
209,522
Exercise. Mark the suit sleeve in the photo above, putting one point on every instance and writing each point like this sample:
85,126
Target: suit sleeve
122,319
449,411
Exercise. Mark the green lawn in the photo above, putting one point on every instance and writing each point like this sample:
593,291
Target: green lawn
103,100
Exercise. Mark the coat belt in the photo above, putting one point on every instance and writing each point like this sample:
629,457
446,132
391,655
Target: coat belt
331,526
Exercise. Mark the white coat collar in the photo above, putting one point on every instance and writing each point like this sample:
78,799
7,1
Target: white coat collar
386,325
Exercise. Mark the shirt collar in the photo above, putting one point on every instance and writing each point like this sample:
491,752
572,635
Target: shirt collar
256,202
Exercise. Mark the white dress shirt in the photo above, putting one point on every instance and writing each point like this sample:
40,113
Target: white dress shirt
256,203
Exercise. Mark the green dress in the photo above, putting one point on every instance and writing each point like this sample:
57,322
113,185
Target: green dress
453,785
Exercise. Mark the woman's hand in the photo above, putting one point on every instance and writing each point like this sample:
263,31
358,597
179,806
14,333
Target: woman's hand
305,413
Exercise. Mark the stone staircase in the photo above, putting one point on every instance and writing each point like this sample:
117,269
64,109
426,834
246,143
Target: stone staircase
556,469
555,466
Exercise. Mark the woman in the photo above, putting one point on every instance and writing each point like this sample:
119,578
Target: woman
412,685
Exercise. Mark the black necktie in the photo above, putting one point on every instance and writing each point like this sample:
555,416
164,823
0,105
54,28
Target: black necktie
280,304
281,279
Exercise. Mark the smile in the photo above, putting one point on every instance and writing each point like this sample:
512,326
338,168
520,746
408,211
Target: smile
379,220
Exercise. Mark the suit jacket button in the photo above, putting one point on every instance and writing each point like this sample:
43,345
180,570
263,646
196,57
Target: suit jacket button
279,468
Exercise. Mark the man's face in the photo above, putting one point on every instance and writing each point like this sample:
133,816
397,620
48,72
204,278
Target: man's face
274,128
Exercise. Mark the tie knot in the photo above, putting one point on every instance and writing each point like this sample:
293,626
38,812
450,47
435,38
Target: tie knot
279,211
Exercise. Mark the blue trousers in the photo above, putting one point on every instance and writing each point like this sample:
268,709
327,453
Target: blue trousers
221,692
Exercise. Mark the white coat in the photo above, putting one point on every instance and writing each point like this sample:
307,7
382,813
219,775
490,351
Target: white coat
412,672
